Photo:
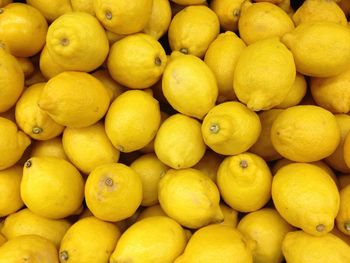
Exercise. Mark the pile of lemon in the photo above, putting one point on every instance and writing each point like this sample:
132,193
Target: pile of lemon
186,131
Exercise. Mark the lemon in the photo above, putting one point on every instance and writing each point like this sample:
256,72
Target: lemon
344,180
300,247
217,243
29,248
114,88
12,143
306,197
132,120
230,215
228,12
244,181
122,16
328,42
305,133
12,80
230,128
113,192
150,211
5,2
179,143
263,146
193,29
186,77
52,9
222,56
22,29
25,222
80,243
190,197
137,61
343,217
159,20
48,67
86,6
150,170
49,148
319,10
26,65
209,164
77,41
268,229
89,147
10,182
54,180
74,99
255,88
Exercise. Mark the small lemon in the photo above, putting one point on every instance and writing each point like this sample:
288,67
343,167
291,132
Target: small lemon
77,41
230,128
12,143
263,146
154,210
344,180
27,66
51,187
268,229
25,222
230,215
132,120
114,88
86,6
150,170
89,240
122,16
74,99
29,248
343,217
190,197
306,197
193,29
222,56
52,9
300,247
22,29
209,164
228,12
305,133
48,67
244,181
253,85
179,143
137,61
10,183
187,77
113,192
49,148
217,243
320,49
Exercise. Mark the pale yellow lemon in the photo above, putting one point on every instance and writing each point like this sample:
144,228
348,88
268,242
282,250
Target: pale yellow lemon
159,20
48,67
343,217
51,9
230,215
149,211
26,65
114,88
228,12
48,148
86,6
209,164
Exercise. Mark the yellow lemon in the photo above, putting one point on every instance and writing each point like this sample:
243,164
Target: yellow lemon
114,88
209,164
230,215
320,49
48,67
22,29
30,248
74,99
77,41
81,244
25,222
319,10
193,29
113,192
222,56
5,2
217,243
268,229
89,147
306,197
300,247
154,210
230,128
150,170
86,6
253,85
244,181
344,180
305,133
156,239
122,16
31,119
263,146
10,184
137,61
343,217
11,80
132,120
26,65
190,197
52,9
49,148
228,12
186,77
54,180
12,143
179,143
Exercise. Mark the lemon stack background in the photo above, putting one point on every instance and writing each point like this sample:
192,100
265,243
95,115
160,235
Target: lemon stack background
186,131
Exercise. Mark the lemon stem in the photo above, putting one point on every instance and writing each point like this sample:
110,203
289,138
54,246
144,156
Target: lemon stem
347,226
157,61
37,130
184,50
320,228
214,128
64,255
64,42
108,15
28,164
236,12
243,164
109,181
1,10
